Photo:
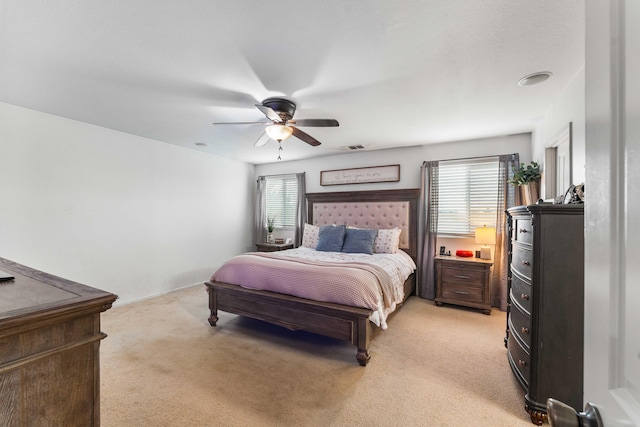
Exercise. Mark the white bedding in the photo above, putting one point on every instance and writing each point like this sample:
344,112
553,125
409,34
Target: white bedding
399,266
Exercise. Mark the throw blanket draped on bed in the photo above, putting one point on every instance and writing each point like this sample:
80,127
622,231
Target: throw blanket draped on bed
357,284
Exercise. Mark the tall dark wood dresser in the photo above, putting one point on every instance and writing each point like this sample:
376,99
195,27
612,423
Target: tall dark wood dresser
546,298
49,349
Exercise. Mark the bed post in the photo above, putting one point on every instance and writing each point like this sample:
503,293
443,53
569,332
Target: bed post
213,306
363,339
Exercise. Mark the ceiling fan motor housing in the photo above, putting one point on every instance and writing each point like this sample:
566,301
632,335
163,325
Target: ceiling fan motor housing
285,108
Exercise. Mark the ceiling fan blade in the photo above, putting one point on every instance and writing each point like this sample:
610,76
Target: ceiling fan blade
315,122
270,113
305,137
241,123
264,138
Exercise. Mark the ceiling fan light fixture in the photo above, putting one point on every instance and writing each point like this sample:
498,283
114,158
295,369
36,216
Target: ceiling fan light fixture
279,132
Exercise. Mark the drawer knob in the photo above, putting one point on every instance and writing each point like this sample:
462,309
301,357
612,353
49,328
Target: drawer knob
522,363
523,230
525,330
525,262
462,292
461,277
524,296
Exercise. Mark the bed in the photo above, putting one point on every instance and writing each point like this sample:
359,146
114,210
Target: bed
384,209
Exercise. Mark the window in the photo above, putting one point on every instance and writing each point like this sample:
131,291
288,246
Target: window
281,200
467,195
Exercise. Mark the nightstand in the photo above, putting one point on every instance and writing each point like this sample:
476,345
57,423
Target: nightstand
463,281
273,247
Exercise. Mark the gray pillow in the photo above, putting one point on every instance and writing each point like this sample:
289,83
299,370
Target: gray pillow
359,241
330,238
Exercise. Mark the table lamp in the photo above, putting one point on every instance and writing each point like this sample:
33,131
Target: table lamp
485,236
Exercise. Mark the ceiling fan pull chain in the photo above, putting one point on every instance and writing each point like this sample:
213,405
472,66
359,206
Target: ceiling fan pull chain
279,149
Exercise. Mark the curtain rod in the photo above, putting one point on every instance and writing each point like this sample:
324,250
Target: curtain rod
281,174
470,158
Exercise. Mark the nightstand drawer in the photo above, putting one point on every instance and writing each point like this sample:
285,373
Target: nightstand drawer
466,275
273,247
463,281
520,324
462,293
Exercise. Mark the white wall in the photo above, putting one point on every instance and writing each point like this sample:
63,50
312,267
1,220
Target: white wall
122,213
568,107
410,160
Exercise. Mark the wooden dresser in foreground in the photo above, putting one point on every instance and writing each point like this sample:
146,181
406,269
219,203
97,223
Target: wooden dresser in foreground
545,314
49,349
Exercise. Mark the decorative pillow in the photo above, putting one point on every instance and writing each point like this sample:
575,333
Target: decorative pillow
388,241
330,238
359,241
310,236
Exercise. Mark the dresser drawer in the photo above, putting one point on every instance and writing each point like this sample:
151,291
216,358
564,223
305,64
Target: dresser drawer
519,359
522,230
462,293
522,260
520,324
469,275
521,293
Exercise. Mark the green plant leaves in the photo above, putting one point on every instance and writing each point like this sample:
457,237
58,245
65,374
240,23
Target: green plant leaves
526,174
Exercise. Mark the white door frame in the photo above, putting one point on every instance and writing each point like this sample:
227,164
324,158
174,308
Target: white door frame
551,176
612,211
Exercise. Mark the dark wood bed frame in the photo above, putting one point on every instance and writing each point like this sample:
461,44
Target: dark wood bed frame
332,320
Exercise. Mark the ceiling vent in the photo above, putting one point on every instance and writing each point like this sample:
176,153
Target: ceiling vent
353,147
535,78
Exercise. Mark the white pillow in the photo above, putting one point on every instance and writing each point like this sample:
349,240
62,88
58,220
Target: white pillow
310,236
387,241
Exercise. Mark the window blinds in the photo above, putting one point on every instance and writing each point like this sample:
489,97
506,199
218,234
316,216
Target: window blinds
281,199
467,195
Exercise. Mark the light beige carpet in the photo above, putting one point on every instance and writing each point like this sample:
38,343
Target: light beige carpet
163,365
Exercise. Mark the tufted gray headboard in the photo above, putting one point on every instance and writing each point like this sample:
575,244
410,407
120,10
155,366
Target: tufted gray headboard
369,209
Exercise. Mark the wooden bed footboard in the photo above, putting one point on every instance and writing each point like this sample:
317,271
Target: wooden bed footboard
332,320
337,321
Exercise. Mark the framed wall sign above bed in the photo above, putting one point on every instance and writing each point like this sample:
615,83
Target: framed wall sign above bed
363,288
388,173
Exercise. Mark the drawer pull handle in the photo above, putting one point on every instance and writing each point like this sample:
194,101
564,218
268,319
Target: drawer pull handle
523,230
462,293
525,330
525,263
522,363
461,277
524,296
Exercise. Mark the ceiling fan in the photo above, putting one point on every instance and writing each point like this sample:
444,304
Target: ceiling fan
280,112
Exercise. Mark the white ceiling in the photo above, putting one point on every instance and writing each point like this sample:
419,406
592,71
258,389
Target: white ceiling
393,73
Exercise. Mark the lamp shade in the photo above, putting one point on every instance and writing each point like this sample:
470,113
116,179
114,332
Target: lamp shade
486,235
279,132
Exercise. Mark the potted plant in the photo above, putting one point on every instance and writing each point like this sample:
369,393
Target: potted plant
527,178
271,225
